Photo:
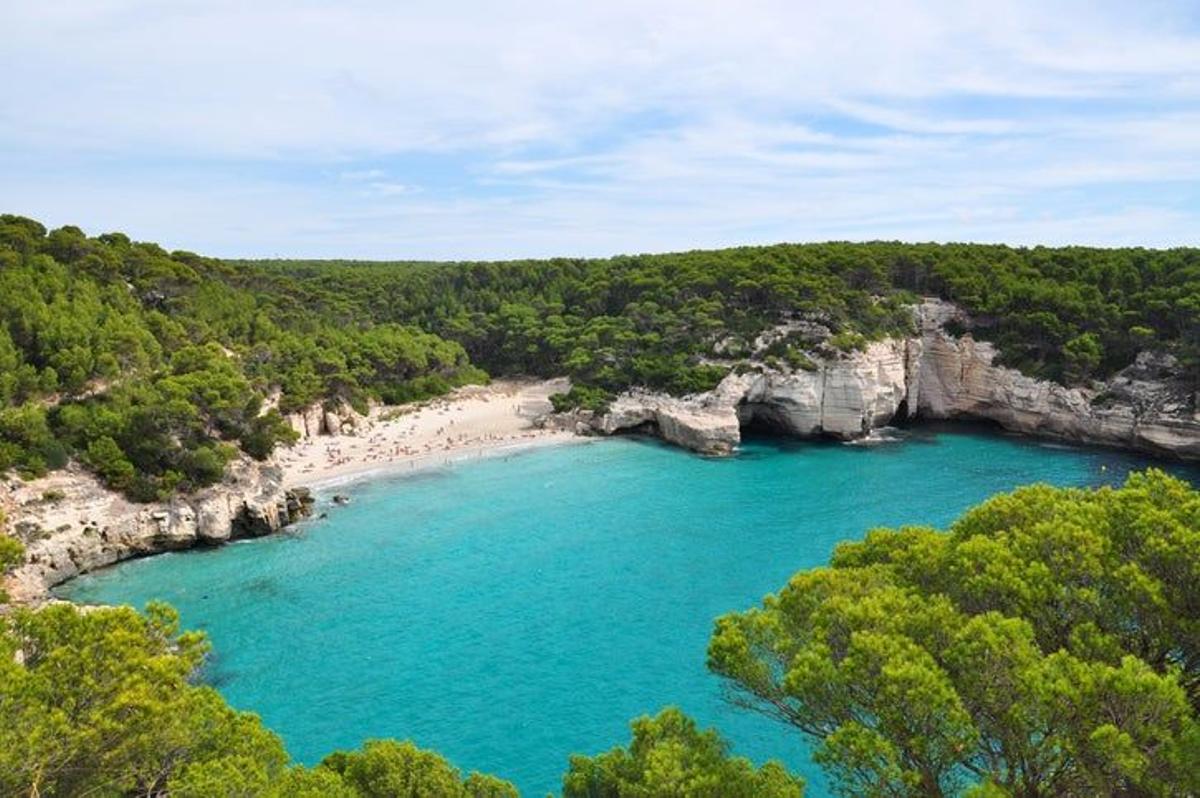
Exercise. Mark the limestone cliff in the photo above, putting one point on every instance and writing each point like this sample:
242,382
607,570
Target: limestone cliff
70,523
1142,407
840,398
933,375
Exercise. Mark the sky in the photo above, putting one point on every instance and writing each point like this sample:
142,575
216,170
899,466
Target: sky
455,129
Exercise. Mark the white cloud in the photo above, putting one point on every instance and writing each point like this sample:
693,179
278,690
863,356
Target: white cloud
386,189
476,129
358,175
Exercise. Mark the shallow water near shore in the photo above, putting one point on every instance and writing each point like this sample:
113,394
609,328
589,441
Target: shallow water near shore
510,611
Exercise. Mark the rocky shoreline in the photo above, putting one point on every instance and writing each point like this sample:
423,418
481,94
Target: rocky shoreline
932,375
71,524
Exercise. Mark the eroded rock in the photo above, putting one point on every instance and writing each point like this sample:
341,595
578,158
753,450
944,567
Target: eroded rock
933,374
92,527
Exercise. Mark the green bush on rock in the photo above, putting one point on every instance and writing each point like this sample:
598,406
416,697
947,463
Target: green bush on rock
384,768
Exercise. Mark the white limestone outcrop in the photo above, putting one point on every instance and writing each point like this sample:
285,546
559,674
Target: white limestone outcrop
317,420
932,375
843,398
70,523
1141,407
704,424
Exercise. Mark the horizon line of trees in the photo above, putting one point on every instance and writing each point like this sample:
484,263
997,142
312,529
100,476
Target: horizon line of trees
1070,314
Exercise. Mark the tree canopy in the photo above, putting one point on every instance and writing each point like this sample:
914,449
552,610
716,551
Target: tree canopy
676,321
1046,644
670,756
155,368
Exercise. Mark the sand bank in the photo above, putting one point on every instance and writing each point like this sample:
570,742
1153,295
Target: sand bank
475,421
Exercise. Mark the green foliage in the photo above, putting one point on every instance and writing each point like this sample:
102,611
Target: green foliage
319,782
101,703
639,320
796,358
149,366
1082,355
669,756
226,777
1048,644
652,321
848,341
27,443
385,768
583,397
264,432
11,554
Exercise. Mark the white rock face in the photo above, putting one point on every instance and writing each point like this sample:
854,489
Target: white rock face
308,422
931,375
70,523
1139,408
843,398
702,425
316,420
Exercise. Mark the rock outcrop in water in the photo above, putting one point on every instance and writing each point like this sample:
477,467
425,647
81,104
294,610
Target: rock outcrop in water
70,523
931,375
703,424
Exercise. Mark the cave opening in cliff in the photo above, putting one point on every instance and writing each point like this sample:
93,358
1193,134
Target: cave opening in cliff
648,429
758,418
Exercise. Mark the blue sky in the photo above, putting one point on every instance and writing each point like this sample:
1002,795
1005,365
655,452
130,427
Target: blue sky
493,130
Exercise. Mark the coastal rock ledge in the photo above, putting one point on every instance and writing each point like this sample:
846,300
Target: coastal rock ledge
930,375
70,523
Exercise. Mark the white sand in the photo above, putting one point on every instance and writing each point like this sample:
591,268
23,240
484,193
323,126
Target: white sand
475,421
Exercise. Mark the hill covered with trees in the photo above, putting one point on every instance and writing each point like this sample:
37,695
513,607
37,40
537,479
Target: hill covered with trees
1068,314
155,368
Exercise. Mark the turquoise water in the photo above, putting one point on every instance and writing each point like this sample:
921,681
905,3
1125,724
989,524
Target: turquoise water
508,612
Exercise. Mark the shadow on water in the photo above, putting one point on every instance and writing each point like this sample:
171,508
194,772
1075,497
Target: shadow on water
262,587
213,674
1110,466
762,437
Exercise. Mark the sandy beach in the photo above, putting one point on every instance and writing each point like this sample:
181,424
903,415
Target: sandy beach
474,421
